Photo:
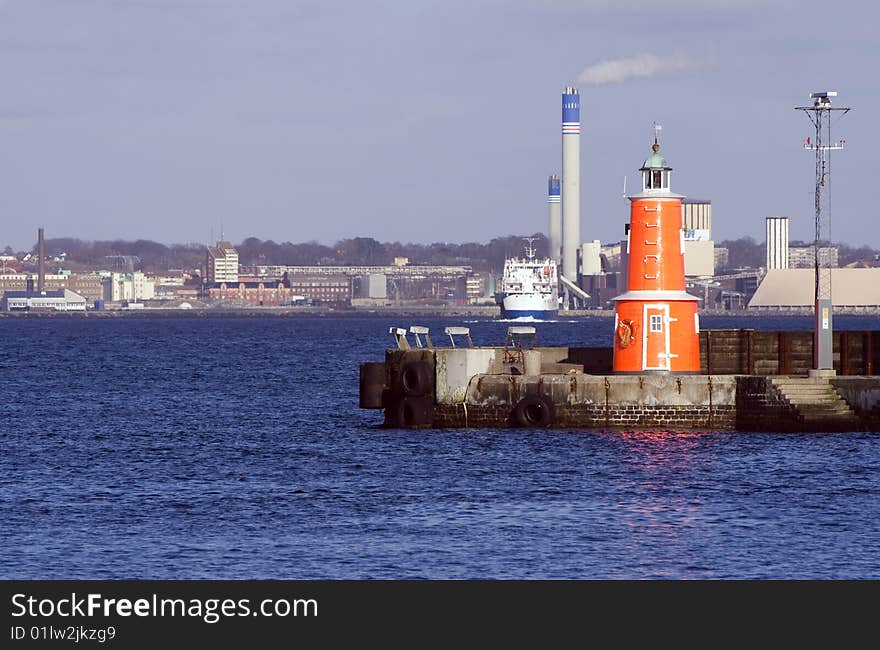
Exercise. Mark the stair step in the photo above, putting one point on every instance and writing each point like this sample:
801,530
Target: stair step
813,388
817,387
816,402
812,396
805,386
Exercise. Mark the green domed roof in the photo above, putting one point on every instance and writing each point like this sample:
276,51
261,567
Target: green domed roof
655,160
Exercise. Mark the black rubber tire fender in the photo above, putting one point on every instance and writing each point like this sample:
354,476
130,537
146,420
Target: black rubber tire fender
533,411
372,386
416,379
413,412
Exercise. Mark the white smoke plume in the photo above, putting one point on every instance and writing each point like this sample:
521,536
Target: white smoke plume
641,66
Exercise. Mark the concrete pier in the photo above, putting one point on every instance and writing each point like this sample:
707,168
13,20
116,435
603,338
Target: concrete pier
497,387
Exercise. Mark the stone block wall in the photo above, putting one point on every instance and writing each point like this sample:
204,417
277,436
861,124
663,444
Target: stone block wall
863,396
761,407
587,402
593,416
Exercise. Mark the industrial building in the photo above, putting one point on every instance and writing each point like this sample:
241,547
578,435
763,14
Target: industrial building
133,287
373,286
58,300
87,285
369,290
591,258
853,290
699,258
777,243
696,214
699,248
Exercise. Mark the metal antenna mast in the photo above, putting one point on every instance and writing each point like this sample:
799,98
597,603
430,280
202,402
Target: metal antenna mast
820,115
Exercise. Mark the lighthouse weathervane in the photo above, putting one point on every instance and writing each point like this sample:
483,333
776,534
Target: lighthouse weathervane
656,326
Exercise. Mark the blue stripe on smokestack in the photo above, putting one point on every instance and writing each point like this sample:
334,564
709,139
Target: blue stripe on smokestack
571,110
553,189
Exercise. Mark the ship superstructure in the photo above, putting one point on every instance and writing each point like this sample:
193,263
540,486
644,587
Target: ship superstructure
530,287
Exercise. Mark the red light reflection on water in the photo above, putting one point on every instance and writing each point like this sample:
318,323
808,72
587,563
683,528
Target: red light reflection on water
661,437
654,451
660,472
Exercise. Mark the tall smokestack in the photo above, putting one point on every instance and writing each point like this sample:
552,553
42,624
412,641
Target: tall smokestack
554,229
571,181
41,261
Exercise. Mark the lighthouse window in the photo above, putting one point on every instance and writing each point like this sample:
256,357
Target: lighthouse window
656,323
655,179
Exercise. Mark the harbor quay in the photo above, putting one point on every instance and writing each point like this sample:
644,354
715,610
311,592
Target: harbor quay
518,385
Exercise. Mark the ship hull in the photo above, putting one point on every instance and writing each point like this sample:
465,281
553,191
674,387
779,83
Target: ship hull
541,307
537,314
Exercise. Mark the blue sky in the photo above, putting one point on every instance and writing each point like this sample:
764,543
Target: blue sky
418,121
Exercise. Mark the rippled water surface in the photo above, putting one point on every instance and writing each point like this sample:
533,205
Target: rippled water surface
234,448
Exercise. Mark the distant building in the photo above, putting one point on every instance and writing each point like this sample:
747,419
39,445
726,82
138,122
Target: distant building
803,257
255,292
479,288
696,214
699,248
591,258
222,264
123,263
373,286
14,282
610,255
722,257
58,300
324,290
699,257
852,289
276,292
133,287
777,243
144,289
88,285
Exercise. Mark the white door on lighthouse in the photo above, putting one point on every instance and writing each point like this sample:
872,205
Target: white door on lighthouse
655,342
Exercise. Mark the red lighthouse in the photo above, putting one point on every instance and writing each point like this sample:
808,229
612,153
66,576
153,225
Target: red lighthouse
656,326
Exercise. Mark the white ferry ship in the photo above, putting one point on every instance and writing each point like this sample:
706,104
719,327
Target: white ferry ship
530,287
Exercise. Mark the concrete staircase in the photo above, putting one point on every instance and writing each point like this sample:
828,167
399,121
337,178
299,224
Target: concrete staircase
817,404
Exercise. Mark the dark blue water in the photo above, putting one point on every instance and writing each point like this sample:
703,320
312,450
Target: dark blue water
214,448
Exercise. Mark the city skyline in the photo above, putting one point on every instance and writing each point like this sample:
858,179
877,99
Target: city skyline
417,123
